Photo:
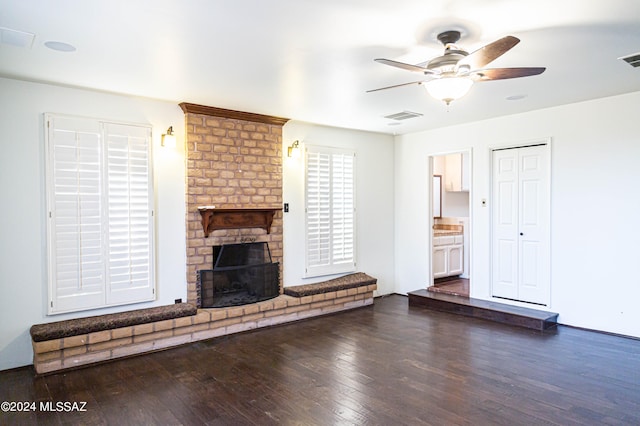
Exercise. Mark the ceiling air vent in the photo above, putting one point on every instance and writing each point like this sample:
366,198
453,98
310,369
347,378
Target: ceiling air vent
404,115
633,59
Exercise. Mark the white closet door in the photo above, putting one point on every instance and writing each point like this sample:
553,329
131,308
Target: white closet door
521,224
534,225
505,223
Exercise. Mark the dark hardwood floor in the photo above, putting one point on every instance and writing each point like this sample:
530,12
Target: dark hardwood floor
389,364
456,286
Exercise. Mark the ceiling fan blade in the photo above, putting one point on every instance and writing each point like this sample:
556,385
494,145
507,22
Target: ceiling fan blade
396,85
402,65
488,53
504,73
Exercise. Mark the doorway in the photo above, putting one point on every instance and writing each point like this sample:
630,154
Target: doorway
450,221
520,222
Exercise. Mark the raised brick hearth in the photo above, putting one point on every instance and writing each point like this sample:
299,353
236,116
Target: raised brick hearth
88,348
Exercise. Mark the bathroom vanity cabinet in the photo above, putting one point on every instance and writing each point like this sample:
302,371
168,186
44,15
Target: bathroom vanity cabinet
448,257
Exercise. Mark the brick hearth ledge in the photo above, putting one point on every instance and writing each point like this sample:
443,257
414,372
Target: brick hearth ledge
84,341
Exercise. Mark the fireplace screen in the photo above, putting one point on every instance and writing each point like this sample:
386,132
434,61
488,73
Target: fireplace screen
241,274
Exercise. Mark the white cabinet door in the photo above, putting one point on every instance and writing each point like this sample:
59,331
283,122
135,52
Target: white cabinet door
440,261
457,170
520,218
456,265
453,172
448,256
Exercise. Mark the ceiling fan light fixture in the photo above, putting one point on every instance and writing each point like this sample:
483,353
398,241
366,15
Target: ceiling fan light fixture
448,89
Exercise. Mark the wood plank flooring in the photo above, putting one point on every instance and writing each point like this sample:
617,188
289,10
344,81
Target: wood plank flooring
456,286
389,364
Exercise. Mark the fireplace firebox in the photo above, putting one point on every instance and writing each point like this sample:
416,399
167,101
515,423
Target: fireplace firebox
241,274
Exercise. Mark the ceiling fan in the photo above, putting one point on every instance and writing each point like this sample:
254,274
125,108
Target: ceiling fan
450,76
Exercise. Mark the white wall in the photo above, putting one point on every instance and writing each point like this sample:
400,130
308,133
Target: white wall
595,206
23,281
374,201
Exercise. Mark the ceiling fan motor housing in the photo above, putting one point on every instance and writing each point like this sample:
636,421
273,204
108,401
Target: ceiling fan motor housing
447,62
449,37
452,54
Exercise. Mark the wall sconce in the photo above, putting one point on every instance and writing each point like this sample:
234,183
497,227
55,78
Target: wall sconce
294,150
169,139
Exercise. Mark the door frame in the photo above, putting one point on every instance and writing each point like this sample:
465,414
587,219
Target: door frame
547,142
467,244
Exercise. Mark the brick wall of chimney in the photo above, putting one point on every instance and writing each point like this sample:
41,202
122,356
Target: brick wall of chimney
231,163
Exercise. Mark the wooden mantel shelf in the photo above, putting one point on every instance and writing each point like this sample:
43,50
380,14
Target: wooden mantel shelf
213,218
229,113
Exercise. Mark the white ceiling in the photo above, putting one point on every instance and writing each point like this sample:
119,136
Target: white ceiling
312,60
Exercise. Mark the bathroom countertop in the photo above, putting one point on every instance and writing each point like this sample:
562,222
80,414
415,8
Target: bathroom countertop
445,229
443,232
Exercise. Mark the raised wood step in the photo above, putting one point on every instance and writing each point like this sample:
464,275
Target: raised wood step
507,314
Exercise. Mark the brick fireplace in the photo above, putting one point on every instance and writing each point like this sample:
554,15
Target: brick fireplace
234,161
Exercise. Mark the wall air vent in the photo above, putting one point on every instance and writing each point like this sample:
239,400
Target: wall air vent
633,59
404,115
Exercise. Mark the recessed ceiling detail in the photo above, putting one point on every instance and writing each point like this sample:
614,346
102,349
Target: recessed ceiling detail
60,46
515,97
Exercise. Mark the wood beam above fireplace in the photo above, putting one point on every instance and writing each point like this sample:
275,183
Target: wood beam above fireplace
213,218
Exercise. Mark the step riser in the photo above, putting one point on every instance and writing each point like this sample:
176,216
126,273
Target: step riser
463,307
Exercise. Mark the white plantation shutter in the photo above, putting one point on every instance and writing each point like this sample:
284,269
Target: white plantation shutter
318,209
76,266
330,211
100,224
130,213
343,209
